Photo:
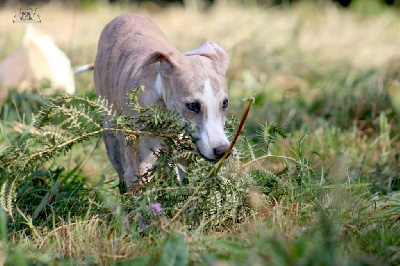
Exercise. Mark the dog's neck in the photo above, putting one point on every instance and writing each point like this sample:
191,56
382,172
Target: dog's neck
159,86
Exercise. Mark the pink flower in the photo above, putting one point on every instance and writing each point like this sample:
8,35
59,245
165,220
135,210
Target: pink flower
156,208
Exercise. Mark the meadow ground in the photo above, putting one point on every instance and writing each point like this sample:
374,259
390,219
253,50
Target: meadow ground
327,194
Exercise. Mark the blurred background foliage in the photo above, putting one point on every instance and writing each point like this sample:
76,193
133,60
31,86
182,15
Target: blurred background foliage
203,4
328,70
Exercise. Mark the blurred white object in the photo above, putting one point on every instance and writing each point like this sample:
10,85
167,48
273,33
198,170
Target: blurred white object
38,58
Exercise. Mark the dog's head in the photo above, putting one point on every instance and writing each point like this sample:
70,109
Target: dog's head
194,85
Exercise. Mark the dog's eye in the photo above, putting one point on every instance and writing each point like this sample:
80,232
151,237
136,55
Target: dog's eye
194,107
225,104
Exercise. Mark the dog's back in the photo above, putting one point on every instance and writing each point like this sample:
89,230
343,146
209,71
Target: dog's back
123,46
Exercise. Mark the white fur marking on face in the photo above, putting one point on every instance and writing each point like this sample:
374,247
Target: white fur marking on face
213,133
210,99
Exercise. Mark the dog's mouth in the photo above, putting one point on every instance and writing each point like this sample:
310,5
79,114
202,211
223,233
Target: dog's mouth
210,152
206,158
216,159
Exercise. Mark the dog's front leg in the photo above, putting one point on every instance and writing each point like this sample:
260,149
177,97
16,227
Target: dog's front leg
140,159
131,171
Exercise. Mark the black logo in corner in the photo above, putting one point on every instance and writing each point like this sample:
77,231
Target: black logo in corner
30,15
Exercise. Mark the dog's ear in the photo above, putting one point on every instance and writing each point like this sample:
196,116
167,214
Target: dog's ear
213,51
166,59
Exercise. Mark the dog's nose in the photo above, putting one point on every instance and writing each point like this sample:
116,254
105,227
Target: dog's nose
220,150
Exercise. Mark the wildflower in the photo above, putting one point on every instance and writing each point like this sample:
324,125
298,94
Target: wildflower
156,208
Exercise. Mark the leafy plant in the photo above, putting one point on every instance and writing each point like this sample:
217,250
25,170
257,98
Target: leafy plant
68,120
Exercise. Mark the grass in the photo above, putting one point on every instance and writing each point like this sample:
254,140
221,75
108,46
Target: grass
328,194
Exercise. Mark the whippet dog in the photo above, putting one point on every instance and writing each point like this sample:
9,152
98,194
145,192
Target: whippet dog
132,51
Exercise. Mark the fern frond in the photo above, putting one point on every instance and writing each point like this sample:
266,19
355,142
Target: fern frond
268,133
8,196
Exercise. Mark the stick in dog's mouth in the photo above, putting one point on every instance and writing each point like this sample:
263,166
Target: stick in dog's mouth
250,101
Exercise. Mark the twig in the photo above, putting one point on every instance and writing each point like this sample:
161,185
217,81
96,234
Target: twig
244,117
91,134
